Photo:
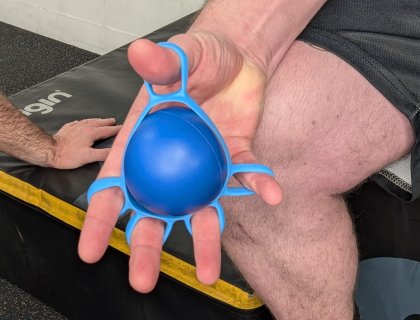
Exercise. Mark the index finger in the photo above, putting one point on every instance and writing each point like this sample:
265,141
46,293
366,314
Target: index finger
106,205
99,222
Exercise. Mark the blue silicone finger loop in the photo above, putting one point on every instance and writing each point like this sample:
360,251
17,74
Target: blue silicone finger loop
184,73
168,229
102,184
130,226
241,168
137,216
220,215
238,192
188,225
251,167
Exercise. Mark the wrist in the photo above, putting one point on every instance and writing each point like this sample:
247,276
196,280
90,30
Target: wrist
262,30
42,153
51,152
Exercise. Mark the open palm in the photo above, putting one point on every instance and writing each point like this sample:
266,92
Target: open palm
230,88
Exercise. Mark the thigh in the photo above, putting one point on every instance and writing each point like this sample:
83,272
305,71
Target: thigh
325,125
380,39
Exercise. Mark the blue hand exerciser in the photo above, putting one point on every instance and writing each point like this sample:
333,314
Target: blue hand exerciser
175,162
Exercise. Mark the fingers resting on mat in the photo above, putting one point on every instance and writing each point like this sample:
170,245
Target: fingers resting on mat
73,142
230,89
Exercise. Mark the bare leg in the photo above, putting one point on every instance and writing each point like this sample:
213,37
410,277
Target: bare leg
325,129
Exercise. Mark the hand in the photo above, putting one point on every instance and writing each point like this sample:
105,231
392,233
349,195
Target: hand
72,145
230,87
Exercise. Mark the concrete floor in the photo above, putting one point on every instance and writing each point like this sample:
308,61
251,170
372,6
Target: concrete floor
27,59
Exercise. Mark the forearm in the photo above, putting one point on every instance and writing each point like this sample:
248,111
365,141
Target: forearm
262,29
21,138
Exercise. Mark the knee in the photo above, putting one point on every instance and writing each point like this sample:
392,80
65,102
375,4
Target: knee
298,220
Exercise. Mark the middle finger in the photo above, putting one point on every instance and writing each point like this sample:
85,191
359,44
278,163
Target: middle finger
145,254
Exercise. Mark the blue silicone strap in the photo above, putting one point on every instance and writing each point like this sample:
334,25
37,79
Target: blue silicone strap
242,168
102,184
179,96
182,92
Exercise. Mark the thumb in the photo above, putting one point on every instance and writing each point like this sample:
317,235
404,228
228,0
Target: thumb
212,63
266,186
158,65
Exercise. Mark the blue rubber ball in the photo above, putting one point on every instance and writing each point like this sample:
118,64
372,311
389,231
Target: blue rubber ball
174,163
